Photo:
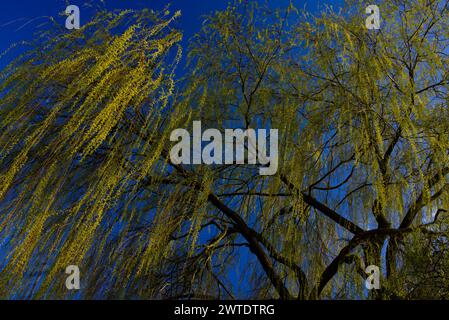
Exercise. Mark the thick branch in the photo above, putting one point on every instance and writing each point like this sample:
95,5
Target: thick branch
328,212
420,202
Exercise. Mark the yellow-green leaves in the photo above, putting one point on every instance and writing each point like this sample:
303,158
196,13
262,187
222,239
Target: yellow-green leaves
80,138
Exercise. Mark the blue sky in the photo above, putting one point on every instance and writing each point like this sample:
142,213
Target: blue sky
19,18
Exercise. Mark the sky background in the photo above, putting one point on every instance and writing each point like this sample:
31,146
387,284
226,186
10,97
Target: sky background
20,18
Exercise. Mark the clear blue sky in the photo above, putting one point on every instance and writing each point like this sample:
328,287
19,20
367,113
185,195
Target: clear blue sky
19,18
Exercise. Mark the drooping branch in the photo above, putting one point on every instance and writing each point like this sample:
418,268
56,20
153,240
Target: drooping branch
254,245
249,234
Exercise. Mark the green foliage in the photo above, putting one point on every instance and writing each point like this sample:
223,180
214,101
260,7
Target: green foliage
71,112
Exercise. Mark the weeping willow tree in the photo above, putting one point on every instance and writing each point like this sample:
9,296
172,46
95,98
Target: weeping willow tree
363,132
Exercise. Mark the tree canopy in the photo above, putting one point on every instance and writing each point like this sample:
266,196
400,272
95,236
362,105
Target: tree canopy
363,121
